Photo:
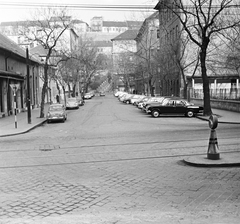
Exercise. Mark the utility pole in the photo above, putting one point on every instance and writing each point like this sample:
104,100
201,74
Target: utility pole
28,89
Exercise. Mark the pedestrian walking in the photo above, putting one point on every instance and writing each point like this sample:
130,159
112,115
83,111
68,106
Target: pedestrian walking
57,98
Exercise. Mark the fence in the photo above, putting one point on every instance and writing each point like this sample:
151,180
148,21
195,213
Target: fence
221,94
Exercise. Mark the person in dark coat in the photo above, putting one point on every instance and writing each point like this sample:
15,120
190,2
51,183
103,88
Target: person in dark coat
57,98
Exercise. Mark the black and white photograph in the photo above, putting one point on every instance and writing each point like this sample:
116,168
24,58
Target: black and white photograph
120,112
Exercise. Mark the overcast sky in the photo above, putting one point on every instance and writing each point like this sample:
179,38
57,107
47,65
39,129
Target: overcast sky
17,10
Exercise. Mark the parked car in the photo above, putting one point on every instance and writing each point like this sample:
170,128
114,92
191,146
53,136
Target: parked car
153,101
174,106
102,94
88,96
136,98
140,103
56,112
124,96
120,95
80,101
127,98
72,103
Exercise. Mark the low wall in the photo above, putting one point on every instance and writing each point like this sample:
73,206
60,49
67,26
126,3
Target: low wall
230,105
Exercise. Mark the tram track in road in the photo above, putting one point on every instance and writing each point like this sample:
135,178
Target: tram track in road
68,157
59,147
105,161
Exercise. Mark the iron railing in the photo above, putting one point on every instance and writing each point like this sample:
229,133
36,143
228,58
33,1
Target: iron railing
221,94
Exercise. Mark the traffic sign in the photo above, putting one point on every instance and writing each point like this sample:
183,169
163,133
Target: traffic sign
15,87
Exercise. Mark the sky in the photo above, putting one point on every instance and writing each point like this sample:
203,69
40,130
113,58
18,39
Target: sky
20,10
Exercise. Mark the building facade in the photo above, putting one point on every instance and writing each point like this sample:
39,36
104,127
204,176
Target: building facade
147,75
13,73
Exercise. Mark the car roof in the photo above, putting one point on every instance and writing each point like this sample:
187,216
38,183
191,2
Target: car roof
56,104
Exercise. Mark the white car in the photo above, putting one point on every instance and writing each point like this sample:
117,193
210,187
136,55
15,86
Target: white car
72,103
136,98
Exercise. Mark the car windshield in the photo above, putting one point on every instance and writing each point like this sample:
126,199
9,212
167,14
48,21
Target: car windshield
55,108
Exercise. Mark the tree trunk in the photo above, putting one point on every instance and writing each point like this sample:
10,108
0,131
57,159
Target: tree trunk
73,91
206,91
69,90
185,91
44,90
64,95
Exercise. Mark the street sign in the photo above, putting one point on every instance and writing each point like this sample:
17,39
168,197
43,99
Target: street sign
15,87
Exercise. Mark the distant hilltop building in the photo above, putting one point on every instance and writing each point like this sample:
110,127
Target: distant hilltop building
98,24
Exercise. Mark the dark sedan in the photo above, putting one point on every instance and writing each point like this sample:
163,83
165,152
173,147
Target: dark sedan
174,106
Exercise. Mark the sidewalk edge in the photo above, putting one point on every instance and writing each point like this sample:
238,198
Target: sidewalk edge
26,131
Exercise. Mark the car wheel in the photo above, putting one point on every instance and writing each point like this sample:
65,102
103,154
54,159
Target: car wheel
190,113
155,113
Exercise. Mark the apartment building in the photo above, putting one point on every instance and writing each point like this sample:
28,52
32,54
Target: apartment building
147,76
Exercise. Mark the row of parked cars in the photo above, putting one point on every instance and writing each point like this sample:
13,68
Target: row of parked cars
57,111
160,105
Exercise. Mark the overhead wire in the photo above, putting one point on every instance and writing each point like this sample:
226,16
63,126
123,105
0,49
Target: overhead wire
79,6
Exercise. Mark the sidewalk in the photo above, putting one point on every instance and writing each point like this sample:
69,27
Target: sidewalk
7,124
7,128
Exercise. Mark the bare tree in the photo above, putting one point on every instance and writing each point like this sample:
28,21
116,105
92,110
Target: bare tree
88,61
202,20
125,68
46,29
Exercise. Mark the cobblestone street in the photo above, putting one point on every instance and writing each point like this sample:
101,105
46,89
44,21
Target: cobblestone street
108,167
141,191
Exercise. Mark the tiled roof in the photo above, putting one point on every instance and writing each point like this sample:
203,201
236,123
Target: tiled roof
127,35
77,21
129,24
103,43
39,51
9,45
114,24
100,36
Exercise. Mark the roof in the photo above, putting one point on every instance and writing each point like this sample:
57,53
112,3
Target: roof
114,24
39,51
128,24
127,35
9,45
103,43
100,36
77,21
